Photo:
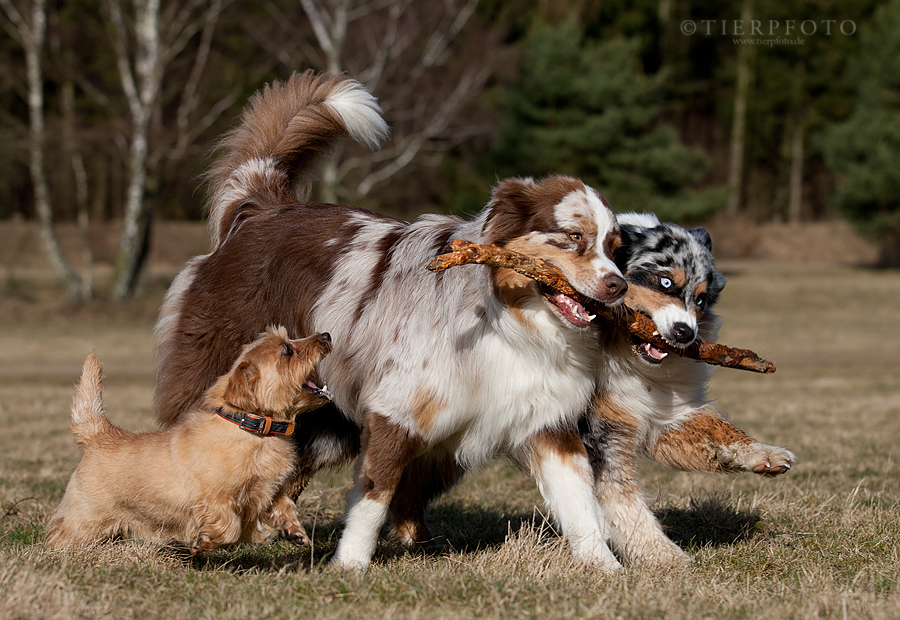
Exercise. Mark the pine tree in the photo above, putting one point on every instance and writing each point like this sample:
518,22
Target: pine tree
587,109
865,148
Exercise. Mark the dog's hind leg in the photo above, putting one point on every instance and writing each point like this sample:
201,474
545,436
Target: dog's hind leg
426,478
386,451
558,462
707,442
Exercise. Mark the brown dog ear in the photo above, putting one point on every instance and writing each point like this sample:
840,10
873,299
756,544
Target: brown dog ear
239,392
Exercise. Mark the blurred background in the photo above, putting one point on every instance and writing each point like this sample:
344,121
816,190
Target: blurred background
774,123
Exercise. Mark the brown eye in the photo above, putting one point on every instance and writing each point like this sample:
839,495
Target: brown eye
287,350
576,237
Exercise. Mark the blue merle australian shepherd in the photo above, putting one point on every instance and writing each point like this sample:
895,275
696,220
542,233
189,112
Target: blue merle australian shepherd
433,374
655,404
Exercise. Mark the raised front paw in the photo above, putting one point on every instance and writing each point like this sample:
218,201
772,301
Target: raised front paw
760,458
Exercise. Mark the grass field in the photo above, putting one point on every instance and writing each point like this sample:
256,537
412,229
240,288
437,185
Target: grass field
820,541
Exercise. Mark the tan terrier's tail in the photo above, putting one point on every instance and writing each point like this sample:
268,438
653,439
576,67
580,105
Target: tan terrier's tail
89,422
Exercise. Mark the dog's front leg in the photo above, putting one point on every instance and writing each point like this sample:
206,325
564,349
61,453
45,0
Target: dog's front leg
708,442
219,525
282,517
558,462
635,533
386,451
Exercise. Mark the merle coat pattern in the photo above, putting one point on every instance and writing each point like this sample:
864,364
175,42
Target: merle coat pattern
441,371
656,405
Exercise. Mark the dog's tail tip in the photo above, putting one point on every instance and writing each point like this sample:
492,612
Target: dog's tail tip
286,131
360,113
88,418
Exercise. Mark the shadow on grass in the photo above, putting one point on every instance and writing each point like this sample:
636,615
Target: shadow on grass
456,527
708,521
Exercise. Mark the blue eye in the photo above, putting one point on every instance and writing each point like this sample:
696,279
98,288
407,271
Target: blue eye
666,283
701,301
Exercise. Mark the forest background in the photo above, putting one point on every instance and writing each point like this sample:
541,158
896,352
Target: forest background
744,112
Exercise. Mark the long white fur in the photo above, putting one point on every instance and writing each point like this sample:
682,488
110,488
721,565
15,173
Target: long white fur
568,491
360,112
499,381
497,378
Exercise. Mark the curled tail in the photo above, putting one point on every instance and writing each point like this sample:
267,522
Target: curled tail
271,157
88,419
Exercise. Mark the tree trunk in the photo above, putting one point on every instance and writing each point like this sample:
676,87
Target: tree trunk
795,202
141,89
739,122
31,36
67,104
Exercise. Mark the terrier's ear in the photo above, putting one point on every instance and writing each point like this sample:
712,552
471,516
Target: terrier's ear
240,392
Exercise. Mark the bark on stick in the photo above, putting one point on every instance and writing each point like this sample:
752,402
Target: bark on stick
638,325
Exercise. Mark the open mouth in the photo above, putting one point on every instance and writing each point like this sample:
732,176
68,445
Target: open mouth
321,392
648,352
568,308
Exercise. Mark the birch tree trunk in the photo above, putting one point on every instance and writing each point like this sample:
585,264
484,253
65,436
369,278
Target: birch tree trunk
30,33
159,35
141,87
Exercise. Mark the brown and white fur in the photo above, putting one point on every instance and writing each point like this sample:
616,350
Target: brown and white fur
203,481
442,371
656,405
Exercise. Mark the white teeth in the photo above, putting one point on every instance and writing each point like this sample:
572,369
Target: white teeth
591,317
325,387
655,333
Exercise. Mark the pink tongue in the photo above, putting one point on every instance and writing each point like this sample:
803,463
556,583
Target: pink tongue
653,352
656,353
571,310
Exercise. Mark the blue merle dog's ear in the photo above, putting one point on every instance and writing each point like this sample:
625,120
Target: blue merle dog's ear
631,238
702,235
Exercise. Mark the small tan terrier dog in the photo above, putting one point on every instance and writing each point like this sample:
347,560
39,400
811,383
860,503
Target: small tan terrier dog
212,479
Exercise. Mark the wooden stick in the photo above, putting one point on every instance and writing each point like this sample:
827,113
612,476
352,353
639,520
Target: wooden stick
637,324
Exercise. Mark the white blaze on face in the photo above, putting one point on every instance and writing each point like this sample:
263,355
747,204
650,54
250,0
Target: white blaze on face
666,318
585,213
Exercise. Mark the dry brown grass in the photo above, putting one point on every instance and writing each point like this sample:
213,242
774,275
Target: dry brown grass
821,541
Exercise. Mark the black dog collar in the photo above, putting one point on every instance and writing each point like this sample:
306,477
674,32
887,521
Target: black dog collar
257,424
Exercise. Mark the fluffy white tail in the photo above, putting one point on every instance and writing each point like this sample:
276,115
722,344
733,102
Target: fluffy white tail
271,158
88,419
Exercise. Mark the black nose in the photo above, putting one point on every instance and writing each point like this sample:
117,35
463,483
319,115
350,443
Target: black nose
615,286
325,336
683,333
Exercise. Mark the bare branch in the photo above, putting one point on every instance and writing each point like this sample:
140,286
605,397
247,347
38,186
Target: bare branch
470,83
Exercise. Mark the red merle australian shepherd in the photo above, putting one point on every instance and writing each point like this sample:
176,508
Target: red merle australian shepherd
440,371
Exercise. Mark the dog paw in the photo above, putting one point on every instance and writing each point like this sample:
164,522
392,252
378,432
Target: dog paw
762,459
295,534
201,544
